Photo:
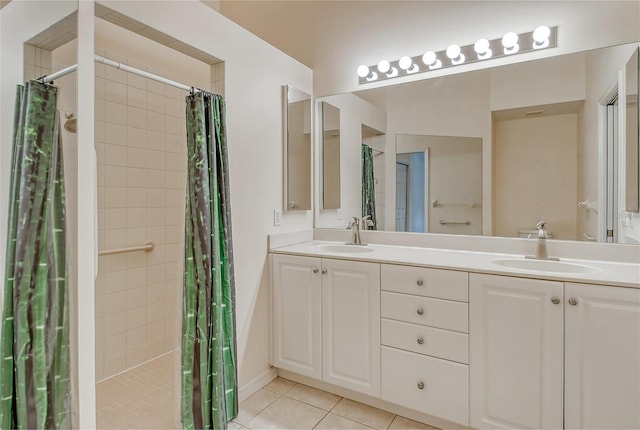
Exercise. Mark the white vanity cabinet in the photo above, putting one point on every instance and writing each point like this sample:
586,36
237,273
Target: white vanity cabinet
326,317
516,343
297,314
425,348
525,333
602,357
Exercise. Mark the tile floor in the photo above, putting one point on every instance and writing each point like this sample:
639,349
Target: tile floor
141,398
284,404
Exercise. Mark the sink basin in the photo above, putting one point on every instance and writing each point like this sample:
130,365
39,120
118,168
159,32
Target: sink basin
348,249
545,266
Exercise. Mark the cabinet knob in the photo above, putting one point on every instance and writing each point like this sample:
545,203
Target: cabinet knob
555,300
573,301
315,270
420,385
420,282
324,271
420,311
420,340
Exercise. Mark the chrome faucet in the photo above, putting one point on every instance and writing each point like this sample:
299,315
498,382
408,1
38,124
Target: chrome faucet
541,244
355,230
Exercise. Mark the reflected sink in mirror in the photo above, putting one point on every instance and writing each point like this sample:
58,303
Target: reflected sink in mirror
346,248
545,266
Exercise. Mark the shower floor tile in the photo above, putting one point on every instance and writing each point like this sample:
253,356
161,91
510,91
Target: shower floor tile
145,397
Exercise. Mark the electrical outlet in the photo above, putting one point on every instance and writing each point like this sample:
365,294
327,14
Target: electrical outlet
339,214
277,216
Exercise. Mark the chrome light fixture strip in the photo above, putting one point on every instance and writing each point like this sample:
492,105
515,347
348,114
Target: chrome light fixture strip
525,44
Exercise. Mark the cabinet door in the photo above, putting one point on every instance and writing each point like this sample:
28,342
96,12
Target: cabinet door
297,323
516,352
602,361
351,325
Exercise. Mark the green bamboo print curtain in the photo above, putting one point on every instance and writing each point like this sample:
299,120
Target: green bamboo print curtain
34,370
209,376
368,186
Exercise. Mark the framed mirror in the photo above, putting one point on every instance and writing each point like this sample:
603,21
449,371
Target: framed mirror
330,156
297,149
632,173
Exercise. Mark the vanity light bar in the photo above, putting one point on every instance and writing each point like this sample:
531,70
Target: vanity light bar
511,43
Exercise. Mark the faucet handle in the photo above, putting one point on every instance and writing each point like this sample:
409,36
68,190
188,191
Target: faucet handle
541,224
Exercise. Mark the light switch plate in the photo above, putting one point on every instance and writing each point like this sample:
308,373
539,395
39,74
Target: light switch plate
277,216
339,214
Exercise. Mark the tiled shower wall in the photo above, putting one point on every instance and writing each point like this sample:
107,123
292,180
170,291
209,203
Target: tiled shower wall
141,150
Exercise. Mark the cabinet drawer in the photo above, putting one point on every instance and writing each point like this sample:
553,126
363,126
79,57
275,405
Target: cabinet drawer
445,385
438,313
441,284
450,345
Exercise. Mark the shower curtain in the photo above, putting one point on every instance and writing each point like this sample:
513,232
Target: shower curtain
34,365
209,376
368,187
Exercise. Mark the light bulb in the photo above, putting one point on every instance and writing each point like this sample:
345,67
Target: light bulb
405,63
482,49
453,51
481,46
541,37
384,66
455,54
392,73
429,58
541,34
509,40
363,71
510,43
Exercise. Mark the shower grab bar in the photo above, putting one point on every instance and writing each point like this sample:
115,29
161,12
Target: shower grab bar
443,222
146,247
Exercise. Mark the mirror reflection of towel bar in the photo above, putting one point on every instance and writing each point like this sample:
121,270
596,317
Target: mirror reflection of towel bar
443,222
437,203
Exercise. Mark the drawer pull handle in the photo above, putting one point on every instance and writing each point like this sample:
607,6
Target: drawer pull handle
324,271
420,311
421,385
420,282
573,301
315,270
555,300
420,340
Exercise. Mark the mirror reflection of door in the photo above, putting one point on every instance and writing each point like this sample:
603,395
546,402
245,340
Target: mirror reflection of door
402,177
416,184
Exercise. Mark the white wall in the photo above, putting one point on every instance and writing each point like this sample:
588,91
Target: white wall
532,157
415,27
354,112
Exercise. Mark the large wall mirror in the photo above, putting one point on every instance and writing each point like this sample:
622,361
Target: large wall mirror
534,136
297,149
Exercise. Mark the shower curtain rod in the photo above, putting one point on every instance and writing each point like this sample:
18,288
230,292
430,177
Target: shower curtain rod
123,67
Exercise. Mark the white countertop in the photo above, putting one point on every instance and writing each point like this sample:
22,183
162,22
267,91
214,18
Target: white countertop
601,272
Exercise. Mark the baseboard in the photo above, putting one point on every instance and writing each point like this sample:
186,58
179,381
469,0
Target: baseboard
257,383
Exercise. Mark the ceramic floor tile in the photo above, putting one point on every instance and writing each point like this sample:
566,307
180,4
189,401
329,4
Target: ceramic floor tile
402,423
318,398
364,414
280,385
286,413
333,421
253,405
